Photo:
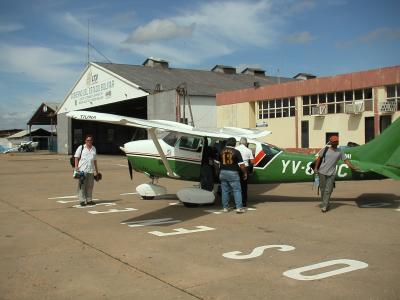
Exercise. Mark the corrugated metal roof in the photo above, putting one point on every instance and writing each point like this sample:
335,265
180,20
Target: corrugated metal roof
22,133
34,132
199,82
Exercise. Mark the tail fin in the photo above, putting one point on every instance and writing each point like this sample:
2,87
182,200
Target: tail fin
381,155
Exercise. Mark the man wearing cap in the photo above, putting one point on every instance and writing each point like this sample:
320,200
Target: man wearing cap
231,163
248,158
326,170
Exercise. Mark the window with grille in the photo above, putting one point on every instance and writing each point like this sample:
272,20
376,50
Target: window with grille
393,94
336,101
276,108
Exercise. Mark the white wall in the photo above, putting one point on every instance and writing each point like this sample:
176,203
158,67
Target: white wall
162,106
204,111
5,142
17,141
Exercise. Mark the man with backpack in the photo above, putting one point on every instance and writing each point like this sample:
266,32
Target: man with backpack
85,167
325,168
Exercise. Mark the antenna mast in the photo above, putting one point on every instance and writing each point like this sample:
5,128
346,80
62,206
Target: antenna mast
88,43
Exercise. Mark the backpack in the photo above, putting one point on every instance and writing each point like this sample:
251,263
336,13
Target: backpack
72,158
312,165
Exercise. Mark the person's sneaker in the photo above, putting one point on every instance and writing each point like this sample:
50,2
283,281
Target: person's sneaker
240,210
324,209
82,204
225,210
91,203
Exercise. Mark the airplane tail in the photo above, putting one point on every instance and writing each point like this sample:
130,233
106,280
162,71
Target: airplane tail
381,155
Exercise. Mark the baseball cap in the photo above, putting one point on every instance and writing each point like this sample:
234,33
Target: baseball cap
334,138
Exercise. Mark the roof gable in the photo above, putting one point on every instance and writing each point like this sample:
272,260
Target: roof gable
98,86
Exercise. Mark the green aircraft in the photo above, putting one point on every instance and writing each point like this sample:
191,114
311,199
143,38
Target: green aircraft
178,155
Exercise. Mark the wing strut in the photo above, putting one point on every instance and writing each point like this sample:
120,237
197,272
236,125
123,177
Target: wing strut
152,133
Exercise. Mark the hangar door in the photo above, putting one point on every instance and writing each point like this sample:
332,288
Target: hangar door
109,137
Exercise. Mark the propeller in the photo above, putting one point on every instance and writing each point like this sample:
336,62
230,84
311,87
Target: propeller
130,169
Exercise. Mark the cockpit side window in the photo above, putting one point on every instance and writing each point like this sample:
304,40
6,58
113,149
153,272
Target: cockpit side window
189,143
171,138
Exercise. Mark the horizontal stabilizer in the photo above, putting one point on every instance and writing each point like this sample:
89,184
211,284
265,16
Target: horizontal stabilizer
387,171
394,160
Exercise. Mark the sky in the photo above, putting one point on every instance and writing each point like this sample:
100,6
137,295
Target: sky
43,43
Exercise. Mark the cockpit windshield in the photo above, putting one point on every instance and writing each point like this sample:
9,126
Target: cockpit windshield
171,138
270,151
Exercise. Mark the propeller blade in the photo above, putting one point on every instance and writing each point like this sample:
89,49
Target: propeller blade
130,169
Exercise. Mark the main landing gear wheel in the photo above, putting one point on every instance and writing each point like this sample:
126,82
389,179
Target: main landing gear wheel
193,197
149,190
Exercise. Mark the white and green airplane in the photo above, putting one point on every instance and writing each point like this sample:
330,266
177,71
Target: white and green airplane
178,155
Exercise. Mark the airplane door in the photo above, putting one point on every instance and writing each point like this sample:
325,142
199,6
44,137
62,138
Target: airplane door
188,152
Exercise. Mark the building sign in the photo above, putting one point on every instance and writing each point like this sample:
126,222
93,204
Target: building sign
93,93
97,87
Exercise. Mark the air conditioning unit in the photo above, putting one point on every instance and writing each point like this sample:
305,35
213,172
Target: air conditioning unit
387,106
357,107
319,110
261,123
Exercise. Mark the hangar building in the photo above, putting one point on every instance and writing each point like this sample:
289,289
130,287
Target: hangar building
305,113
152,90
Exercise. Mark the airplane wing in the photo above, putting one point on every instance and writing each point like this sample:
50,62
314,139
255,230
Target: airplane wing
168,125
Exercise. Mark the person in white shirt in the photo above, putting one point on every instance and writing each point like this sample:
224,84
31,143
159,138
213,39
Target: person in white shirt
85,161
248,158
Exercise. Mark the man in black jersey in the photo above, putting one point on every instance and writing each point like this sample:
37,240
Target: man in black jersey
231,163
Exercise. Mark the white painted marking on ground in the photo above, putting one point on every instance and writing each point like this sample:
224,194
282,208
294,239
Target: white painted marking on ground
352,265
120,165
175,203
258,251
123,194
217,212
113,210
182,231
69,201
151,222
63,197
97,204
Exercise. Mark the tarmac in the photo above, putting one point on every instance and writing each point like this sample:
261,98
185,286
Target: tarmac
128,248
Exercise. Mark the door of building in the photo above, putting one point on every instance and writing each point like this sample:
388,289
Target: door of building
305,135
369,133
384,122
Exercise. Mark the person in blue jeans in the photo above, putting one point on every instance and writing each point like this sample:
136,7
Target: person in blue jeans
231,163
